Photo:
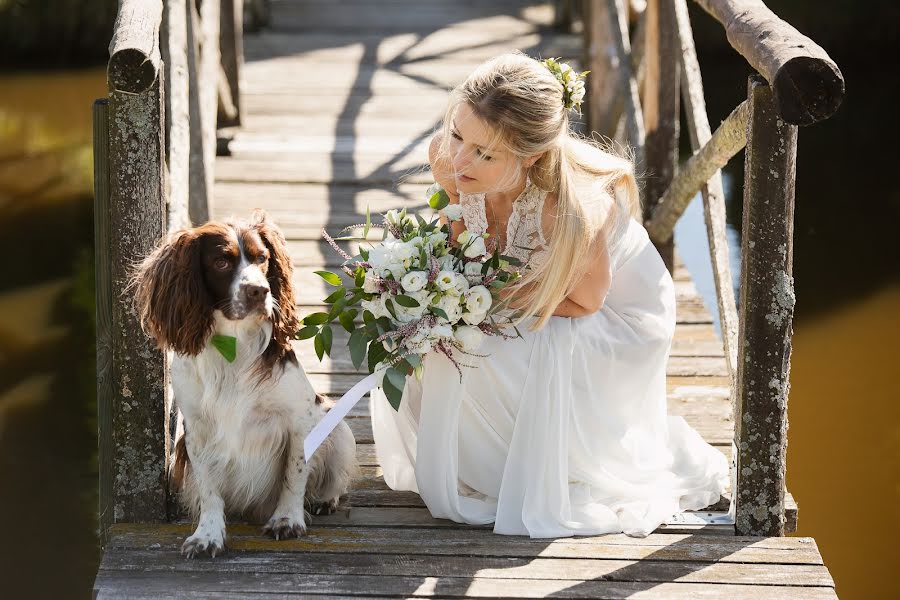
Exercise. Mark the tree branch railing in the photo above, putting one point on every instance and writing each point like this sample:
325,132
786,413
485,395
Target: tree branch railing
798,84
154,147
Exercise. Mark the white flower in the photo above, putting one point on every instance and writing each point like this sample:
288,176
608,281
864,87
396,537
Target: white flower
414,281
453,212
374,306
464,237
477,248
446,280
450,305
436,237
469,337
369,285
454,314
447,262
433,189
441,331
473,269
419,342
478,299
462,284
474,318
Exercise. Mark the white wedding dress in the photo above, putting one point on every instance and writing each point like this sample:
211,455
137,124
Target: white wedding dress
566,431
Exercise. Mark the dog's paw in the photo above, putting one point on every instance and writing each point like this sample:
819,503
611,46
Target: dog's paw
204,542
328,507
282,528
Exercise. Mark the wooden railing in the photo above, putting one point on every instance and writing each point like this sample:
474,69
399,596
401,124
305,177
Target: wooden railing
797,84
173,75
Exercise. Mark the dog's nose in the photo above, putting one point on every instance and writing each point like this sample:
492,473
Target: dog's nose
254,293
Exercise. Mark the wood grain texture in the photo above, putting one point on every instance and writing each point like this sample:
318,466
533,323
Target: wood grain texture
766,316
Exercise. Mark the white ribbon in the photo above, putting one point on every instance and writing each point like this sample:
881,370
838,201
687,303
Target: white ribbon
337,412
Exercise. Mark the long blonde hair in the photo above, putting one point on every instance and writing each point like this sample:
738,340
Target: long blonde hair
522,103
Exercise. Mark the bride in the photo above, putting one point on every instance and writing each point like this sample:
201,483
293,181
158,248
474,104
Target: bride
564,430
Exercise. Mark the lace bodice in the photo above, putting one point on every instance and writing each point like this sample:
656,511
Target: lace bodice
524,234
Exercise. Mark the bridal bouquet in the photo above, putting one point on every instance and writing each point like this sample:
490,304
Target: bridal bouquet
417,294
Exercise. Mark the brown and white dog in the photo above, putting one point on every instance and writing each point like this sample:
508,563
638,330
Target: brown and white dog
244,421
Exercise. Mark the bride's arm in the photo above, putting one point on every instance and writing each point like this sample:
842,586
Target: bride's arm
443,175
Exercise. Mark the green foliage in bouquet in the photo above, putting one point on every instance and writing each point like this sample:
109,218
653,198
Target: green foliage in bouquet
384,340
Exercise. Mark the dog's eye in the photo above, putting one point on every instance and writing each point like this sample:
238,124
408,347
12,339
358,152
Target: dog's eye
221,264
261,259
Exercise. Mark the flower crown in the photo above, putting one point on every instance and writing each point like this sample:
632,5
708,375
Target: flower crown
572,82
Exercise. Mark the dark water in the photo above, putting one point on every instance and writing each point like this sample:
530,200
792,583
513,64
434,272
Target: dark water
844,451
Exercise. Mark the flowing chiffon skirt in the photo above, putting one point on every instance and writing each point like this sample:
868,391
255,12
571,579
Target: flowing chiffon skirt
564,432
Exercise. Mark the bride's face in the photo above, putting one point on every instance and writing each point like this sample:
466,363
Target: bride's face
478,166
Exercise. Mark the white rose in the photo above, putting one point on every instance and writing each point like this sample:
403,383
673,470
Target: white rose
414,281
454,313
446,280
474,318
453,212
369,285
469,337
477,248
478,299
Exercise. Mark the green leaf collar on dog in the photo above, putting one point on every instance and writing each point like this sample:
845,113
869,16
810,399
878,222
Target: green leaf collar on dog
226,345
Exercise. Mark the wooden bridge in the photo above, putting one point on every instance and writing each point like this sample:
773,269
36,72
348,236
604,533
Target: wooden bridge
323,109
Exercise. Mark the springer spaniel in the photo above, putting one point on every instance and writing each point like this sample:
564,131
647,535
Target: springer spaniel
244,421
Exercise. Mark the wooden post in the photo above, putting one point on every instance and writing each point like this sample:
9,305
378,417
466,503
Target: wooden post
231,42
603,61
133,224
104,299
766,316
661,106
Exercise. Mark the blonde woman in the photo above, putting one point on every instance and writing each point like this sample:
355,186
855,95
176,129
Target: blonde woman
563,431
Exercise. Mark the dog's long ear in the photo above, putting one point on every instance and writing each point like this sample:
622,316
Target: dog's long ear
279,273
170,296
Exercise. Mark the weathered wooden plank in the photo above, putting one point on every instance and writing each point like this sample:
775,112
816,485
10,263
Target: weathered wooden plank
106,385
553,569
766,315
463,43
331,385
480,542
115,582
407,16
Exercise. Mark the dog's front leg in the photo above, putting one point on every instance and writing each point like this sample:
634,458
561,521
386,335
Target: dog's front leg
209,537
288,520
